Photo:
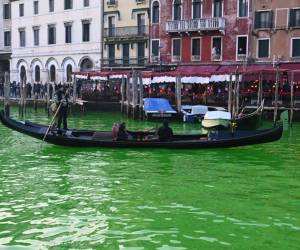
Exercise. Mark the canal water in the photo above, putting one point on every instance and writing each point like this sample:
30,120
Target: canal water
54,197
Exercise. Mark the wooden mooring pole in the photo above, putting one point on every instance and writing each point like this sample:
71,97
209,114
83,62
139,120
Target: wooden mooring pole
260,91
276,95
229,108
141,96
237,94
128,95
178,93
134,94
292,99
6,93
122,93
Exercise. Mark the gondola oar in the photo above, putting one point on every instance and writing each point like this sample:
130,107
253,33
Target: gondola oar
51,123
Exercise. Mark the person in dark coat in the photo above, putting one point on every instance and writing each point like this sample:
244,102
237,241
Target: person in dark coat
62,101
122,133
165,133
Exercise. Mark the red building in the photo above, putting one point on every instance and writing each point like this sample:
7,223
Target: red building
193,32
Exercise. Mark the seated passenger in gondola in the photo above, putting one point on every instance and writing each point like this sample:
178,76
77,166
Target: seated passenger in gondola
115,130
122,133
165,133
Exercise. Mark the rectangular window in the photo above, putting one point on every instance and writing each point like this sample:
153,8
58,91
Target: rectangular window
263,20
196,49
197,9
176,51
36,7
216,49
68,4
243,8
21,9
111,54
155,50
51,5
86,3
6,11
36,36
51,34
68,33
85,31
22,38
125,54
7,38
111,26
242,45
295,17
141,53
263,48
141,24
295,47
217,8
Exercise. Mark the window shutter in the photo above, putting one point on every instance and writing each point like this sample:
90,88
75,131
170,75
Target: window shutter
292,18
271,19
257,20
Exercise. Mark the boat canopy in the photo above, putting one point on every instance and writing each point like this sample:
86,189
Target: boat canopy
215,115
157,105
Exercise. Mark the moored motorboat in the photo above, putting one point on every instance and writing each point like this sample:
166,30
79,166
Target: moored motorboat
89,138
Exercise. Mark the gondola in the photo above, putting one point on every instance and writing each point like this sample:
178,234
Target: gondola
87,138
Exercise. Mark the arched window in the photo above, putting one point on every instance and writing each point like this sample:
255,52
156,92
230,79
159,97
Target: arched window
196,9
177,10
155,12
52,73
37,73
23,74
69,73
86,65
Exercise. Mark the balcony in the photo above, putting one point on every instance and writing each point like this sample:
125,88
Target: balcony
124,63
202,24
126,32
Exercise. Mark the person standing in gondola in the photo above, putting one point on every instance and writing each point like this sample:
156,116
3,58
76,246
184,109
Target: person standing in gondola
62,102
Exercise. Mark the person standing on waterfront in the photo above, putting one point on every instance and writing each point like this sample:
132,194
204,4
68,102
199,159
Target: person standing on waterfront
62,102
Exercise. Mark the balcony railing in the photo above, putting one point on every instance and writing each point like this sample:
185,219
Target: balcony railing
125,62
129,31
202,24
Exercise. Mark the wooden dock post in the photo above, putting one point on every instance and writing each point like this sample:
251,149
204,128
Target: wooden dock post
230,94
141,96
237,94
178,93
128,95
233,113
122,93
6,93
134,94
292,99
260,91
47,106
22,97
276,94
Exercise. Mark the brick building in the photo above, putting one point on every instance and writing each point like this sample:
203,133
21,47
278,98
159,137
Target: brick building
193,32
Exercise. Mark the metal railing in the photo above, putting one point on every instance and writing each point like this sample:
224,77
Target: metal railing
129,31
124,62
202,24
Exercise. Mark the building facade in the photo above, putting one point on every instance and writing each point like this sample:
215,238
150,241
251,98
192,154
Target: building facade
125,33
53,38
276,31
5,36
199,32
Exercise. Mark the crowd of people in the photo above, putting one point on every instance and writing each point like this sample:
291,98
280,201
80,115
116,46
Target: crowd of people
37,90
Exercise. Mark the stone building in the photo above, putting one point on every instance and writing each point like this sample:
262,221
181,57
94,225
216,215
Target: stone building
276,31
5,36
53,38
126,34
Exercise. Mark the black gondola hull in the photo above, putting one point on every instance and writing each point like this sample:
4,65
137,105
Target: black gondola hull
85,138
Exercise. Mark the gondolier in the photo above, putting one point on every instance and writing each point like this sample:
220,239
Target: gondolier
62,100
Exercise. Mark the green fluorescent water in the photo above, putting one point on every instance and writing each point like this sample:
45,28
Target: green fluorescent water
54,197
